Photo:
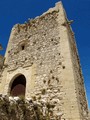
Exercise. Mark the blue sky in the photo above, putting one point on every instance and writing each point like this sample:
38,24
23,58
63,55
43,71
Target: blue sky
18,11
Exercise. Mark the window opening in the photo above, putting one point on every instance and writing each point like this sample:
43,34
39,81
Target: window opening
23,47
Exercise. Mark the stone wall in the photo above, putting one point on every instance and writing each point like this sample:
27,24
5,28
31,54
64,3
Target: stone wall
1,66
79,82
89,115
43,50
41,41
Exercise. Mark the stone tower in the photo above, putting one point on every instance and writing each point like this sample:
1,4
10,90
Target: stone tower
42,61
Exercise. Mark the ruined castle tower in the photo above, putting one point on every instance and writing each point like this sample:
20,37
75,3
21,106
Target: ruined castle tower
41,61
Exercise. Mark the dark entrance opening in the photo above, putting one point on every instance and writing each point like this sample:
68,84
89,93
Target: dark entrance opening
18,86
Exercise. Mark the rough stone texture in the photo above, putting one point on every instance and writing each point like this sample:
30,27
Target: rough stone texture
44,51
89,115
79,79
1,66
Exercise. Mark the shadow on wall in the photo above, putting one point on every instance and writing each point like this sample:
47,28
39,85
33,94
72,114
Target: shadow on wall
18,86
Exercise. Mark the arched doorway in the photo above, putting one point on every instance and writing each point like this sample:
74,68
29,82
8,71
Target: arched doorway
18,86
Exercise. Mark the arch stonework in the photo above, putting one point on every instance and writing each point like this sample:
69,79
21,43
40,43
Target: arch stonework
17,85
9,78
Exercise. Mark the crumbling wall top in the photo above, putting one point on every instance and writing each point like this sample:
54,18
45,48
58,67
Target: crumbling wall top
58,7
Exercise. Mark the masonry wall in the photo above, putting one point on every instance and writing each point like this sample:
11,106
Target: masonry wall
79,82
41,50
1,66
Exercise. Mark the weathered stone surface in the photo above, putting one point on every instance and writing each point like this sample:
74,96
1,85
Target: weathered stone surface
44,51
